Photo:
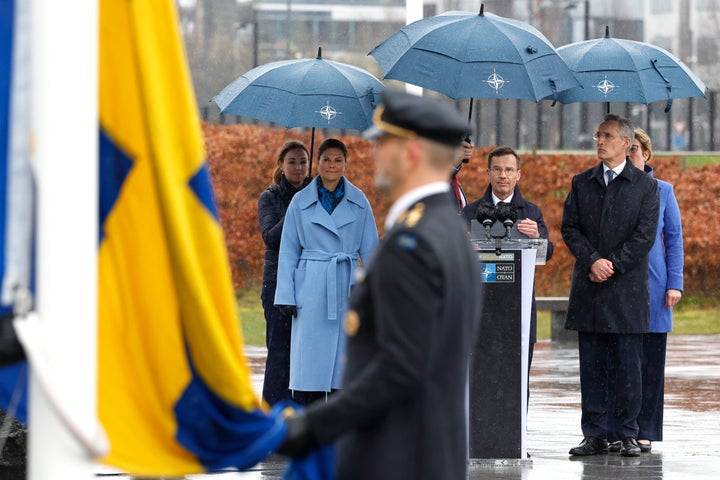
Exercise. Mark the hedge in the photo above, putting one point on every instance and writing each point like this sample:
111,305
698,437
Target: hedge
242,158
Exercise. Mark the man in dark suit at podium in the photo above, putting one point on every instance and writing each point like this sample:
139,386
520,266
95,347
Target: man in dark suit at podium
504,173
609,223
401,412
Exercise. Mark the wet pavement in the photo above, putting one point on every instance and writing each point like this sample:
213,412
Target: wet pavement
691,446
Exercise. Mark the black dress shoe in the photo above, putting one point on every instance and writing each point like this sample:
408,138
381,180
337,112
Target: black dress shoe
614,447
645,447
590,446
630,448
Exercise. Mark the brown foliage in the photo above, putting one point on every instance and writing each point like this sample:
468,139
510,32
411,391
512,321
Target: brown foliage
243,157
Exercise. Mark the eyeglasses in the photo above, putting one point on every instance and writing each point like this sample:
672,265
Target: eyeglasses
499,170
604,135
634,148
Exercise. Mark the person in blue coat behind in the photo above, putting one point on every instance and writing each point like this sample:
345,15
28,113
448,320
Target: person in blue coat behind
666,286
329,228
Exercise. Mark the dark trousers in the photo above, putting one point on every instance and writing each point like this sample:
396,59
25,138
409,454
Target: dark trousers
650,419
531,350
606,358
277,340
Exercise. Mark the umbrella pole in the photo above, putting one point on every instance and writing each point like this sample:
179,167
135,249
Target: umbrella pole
312,148
607,107
467,138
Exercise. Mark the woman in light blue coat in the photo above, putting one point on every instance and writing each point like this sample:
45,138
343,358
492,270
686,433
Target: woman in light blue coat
666,286
329,227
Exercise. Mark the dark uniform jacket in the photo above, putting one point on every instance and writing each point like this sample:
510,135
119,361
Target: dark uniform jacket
413,318
525,209
618,223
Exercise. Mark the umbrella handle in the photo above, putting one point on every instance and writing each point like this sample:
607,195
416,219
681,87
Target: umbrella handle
312,148
467,137
668,85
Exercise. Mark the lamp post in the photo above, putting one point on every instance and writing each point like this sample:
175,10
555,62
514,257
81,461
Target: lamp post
255,35
288,29
586,36
586,25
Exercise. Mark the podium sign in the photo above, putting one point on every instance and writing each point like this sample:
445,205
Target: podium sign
499,361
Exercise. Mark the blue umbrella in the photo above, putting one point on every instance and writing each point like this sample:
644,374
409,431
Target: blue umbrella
616,70
310,92
469,55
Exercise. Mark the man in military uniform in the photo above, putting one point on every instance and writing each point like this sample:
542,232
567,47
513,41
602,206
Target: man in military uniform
413,318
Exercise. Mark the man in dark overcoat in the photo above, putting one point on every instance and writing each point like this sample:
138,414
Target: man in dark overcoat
401,413
609,223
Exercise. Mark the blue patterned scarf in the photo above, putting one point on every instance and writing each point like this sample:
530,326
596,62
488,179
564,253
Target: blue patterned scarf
330,199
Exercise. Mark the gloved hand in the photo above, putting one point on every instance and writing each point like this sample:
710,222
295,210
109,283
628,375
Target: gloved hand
289,310
299,440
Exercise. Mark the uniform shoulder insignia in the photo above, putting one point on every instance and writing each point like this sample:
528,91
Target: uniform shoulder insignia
412,217
352,323
406,241
402,217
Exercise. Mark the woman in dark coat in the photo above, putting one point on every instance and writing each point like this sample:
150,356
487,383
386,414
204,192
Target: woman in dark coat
290,176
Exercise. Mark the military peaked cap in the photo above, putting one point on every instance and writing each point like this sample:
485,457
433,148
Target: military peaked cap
405,115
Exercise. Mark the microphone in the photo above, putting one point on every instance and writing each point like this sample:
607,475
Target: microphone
506,213
486,215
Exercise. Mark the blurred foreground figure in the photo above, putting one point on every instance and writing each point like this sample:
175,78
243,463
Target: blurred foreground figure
413,315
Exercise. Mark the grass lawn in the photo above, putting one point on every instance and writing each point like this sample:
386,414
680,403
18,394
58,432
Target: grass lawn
251,317
700,160
687,320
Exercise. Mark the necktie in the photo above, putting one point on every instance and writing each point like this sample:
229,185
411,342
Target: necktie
610,174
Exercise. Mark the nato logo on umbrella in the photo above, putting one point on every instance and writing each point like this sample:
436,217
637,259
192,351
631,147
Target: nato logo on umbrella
606,86
328,112
495,81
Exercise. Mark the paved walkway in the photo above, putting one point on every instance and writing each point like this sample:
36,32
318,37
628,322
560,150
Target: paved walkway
691,446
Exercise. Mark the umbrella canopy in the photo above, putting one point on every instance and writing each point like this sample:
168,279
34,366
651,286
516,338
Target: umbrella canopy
616,70
469,55
310,92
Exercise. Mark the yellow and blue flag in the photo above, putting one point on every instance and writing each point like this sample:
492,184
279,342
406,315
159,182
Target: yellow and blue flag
174,391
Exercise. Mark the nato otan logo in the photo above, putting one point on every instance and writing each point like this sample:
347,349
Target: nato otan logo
328,112
498,273
606,87
495,81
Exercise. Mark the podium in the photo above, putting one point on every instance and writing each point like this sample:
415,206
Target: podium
499,361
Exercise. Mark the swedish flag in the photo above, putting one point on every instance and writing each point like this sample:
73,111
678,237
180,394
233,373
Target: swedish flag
174,391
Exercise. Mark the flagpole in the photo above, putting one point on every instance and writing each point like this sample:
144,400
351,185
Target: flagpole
65,133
